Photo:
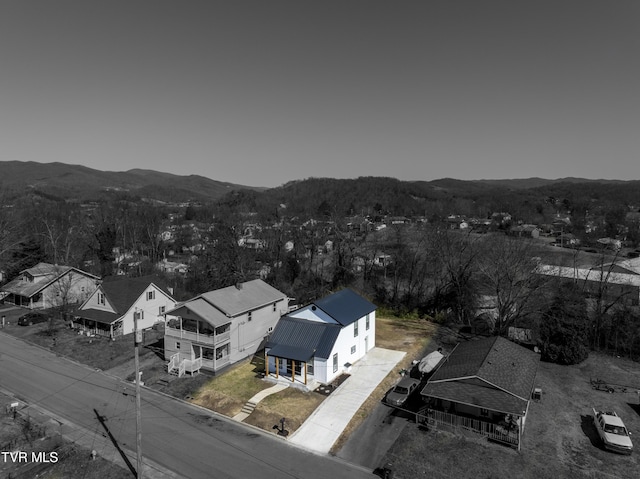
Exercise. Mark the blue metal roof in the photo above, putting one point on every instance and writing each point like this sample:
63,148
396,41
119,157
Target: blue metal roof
345,306
294,338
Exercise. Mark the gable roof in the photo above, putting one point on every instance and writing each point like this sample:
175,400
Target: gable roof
235,300
202,309
124,292
492,373
345,306
43,275
301,339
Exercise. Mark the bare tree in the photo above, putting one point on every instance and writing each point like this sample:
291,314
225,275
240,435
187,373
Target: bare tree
507,275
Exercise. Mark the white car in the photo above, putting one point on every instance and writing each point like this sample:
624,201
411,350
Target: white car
612,431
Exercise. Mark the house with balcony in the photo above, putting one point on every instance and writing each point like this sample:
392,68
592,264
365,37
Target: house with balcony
218,328
320,341
48,285
111,309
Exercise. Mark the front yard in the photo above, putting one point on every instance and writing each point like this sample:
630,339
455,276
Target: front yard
559,438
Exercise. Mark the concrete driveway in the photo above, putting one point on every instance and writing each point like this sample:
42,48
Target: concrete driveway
323,428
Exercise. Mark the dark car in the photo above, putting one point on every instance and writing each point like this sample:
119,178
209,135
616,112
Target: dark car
400,393
32,318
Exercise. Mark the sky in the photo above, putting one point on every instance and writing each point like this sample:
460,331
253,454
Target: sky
263,92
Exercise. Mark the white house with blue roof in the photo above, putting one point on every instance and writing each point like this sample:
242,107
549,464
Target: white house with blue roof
321,341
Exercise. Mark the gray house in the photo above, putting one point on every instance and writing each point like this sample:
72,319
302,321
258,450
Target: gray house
221,327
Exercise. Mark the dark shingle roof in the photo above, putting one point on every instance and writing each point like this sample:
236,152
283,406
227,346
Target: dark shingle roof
122,293
295,338
492,373
345,306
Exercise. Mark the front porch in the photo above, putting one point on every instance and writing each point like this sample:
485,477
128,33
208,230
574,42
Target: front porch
290,371
506,431
90,327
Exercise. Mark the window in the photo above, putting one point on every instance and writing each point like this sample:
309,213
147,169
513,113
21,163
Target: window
151,295
335,363
355,329
162,309
274,307
249,316
177,344
353,349
207,353
484,412
101,298
310,367
367,323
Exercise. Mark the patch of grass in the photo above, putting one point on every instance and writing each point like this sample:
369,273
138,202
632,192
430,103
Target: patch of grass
230,391
293,404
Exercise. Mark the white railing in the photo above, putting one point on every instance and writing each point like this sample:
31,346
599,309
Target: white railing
185,366
223,361
174,363
192,365
197,337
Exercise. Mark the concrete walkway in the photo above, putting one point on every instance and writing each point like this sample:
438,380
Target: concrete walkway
325,425
253,402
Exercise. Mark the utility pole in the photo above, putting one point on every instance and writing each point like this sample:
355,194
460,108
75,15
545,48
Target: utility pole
137,335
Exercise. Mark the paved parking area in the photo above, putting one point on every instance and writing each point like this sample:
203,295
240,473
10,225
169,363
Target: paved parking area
323,428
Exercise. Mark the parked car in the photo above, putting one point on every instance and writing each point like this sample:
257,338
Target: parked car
31,318
612,432
400,393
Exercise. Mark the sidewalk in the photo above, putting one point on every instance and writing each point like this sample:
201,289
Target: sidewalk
323,428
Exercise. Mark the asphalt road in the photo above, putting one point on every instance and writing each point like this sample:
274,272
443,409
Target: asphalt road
178,437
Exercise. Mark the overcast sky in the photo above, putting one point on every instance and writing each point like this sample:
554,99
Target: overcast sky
263,92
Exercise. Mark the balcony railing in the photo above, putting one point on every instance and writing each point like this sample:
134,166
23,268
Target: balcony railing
196,336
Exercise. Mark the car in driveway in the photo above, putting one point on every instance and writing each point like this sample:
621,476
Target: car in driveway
31,318
400,393
612,431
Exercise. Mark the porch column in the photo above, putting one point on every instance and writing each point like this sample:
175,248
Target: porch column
293,370
277,366
305,373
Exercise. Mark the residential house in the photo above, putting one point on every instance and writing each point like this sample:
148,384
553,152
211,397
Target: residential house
111,309
218,328
527,231
484,385
321,341
48,285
